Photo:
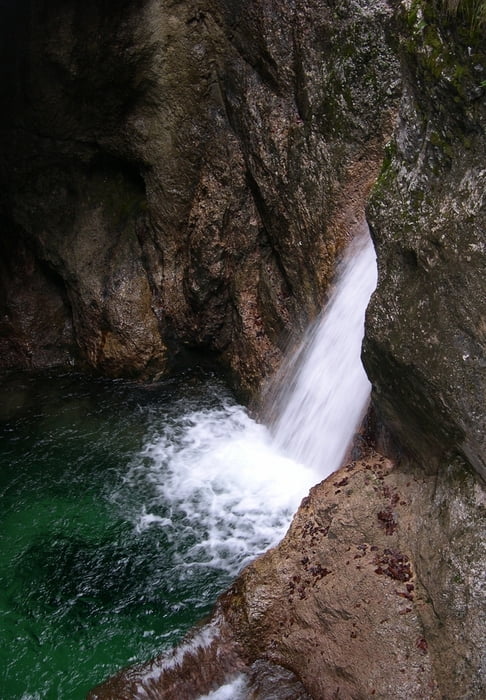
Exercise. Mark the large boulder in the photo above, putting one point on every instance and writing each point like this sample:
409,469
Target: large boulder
364,597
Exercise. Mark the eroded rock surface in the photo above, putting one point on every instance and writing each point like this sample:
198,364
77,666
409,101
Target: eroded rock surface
378,588
170,169
183,175
425,347
363,598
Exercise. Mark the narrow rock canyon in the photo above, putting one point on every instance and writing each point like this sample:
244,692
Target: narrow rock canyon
177,183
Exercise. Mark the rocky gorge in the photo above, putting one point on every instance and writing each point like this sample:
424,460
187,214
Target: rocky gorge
178,181
190,153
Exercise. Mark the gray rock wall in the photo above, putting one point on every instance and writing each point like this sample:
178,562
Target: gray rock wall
180,176
425,347
377,590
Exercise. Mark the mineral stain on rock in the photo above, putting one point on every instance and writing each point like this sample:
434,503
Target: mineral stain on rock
310,610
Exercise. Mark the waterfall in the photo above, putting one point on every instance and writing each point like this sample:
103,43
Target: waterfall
179,489
221,487
324,389
212,488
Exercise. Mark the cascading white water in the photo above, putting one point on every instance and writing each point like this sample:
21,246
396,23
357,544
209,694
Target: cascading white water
162,493
220,480
325,389
214,480
221,487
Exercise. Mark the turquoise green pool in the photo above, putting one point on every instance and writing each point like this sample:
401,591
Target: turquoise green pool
125,510
83,589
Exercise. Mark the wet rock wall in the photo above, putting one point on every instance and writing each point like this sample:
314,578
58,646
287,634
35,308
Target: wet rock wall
181,177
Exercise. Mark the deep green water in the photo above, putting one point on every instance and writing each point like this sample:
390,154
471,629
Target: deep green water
83,589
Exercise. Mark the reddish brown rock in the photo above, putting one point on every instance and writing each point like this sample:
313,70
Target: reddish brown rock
353,608
193,193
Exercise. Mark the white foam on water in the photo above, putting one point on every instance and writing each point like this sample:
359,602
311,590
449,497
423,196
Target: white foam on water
221,483
200,641
215,477
218,481
146,519
325,390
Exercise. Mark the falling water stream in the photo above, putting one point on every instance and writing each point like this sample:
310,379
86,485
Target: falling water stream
323,388
126,509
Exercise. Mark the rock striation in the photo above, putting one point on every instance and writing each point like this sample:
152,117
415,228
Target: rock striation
170,170
377,590
425,348
181,178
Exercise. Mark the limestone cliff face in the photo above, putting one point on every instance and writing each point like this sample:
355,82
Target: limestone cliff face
425,345
181,176
170,169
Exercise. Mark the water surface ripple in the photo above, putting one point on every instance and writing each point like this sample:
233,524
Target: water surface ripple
125,511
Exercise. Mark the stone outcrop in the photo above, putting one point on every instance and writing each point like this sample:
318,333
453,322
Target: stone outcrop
192,193
170,169
378,588
425,345
425,336
363,598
